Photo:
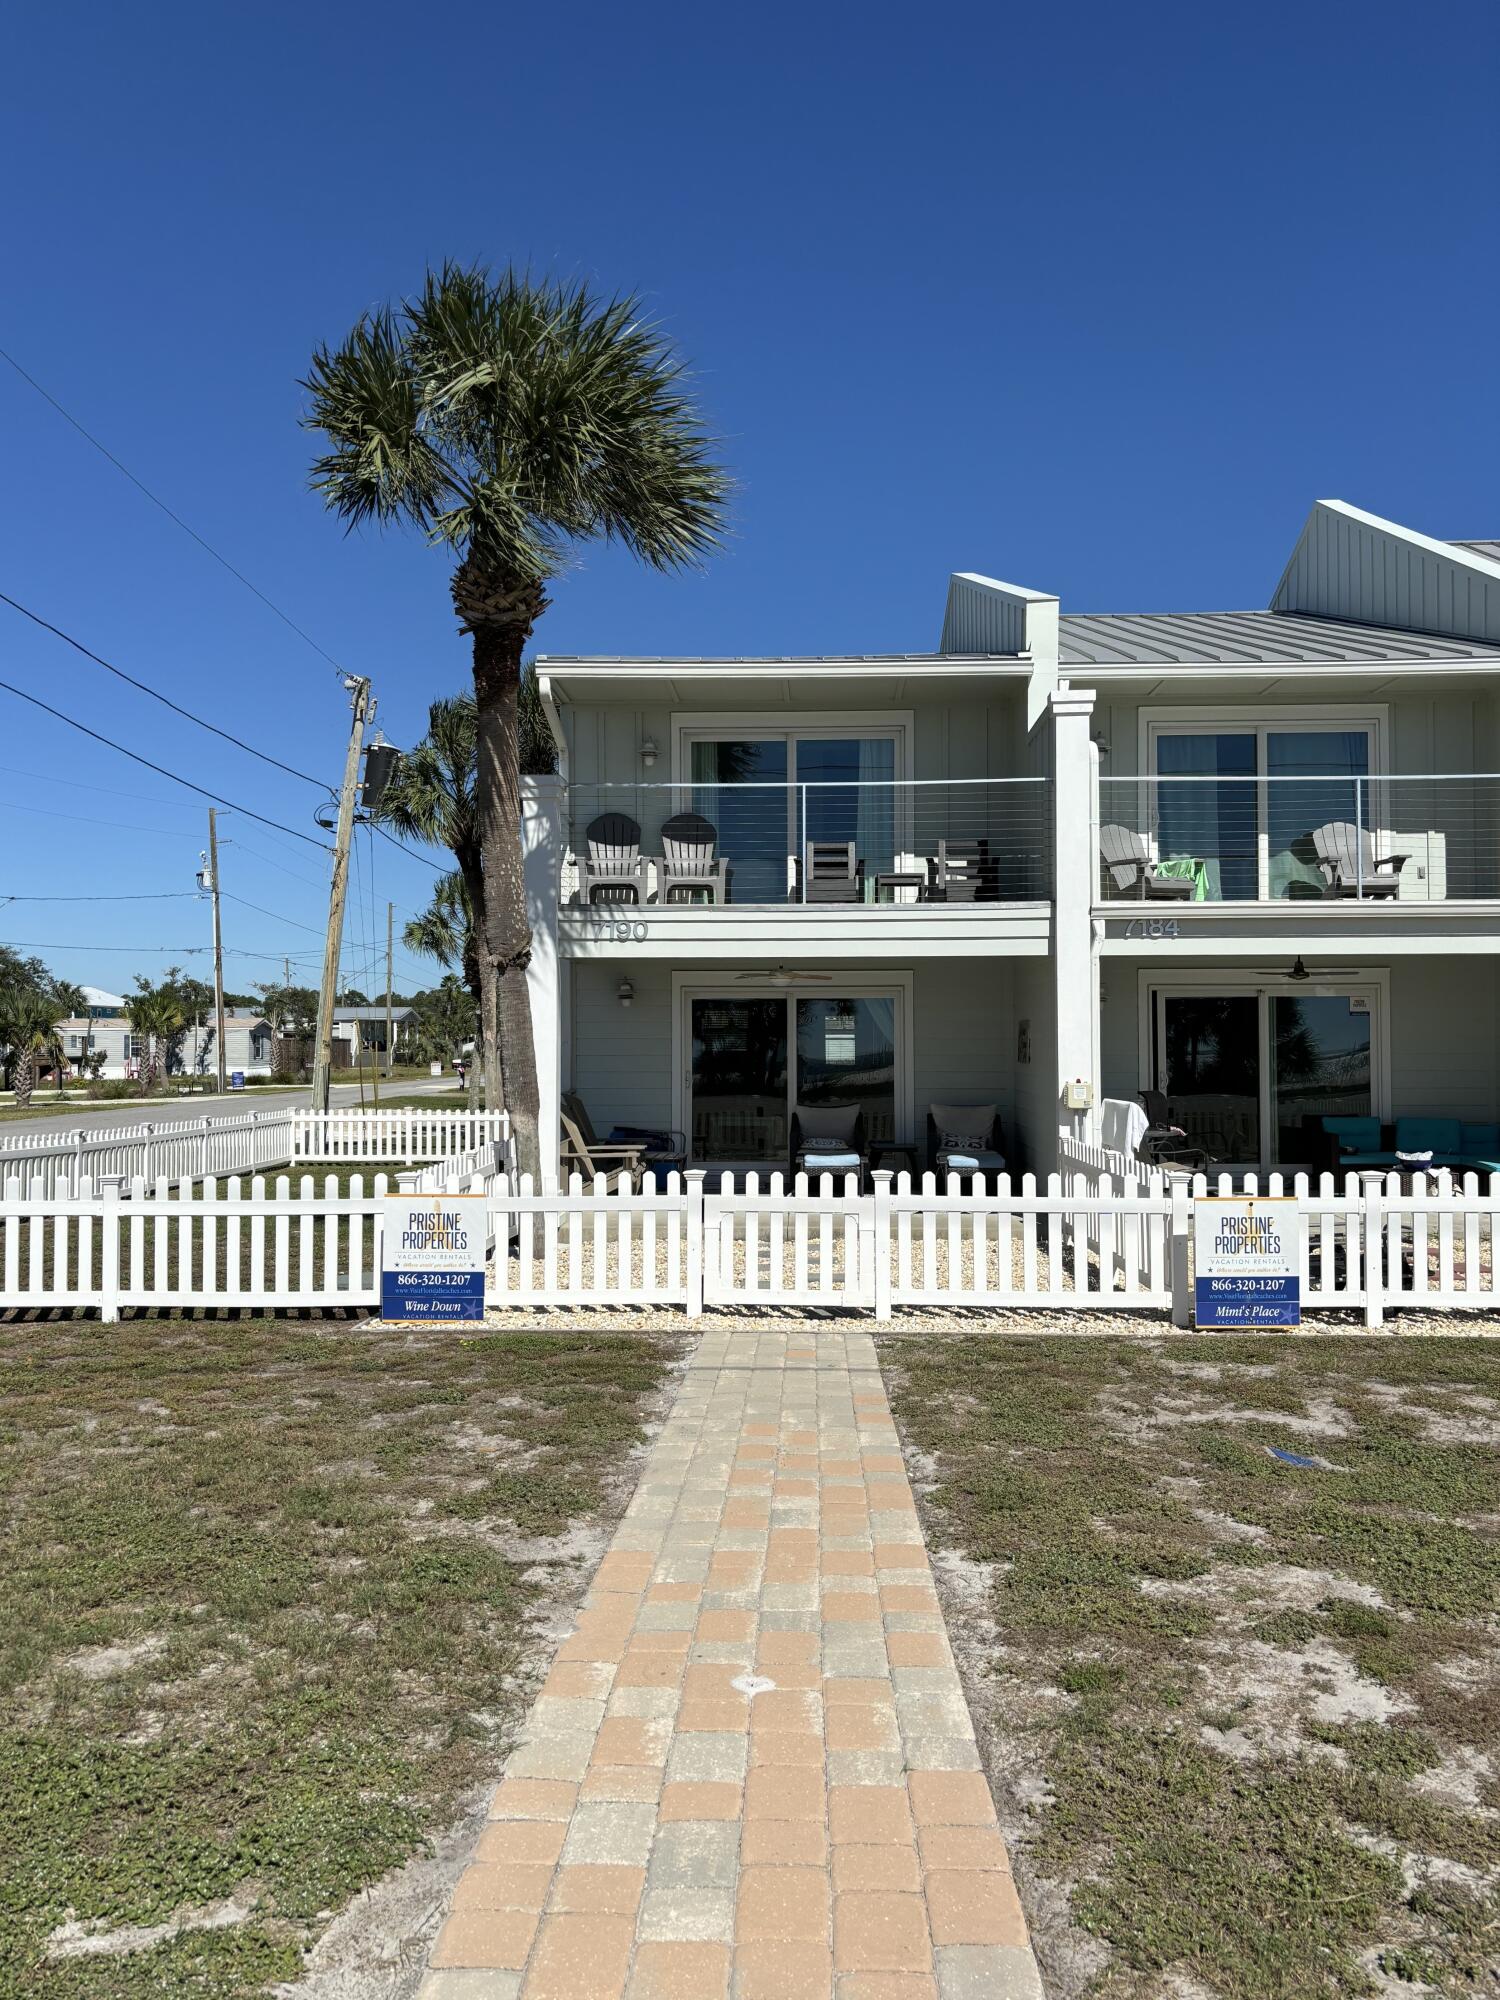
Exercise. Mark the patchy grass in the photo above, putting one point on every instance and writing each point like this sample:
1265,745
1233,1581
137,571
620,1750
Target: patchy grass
263,1616
1250,1711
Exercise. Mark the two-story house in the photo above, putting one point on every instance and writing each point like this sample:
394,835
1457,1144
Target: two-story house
1250,859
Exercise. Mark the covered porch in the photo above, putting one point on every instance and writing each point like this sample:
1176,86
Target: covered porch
724,1056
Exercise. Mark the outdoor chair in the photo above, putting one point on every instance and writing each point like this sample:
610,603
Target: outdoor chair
832,873
962,872
1347,859
1127,857
1163,1143
964,1139
613,870
639,1149
829,1139
688,865
578,1156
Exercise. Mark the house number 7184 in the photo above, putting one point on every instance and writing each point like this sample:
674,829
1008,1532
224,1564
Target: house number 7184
1152,927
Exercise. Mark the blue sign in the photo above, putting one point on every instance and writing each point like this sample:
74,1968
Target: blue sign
236,1079
1247,1261
433,1258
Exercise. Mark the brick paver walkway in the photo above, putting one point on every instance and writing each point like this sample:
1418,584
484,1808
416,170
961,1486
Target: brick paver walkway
661,1833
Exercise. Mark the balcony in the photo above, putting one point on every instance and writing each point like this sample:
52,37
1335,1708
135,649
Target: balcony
1175,842
825,847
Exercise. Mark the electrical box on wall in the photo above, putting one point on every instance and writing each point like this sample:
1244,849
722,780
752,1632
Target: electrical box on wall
1078,1095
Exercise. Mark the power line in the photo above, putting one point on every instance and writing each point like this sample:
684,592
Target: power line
108,791
176,707
260,911
141,896
82,819
160,769
142,487
409,852
176,950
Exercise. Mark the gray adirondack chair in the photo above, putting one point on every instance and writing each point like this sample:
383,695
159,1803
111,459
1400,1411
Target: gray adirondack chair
1347,859
688,867
612,871
832,873
1127,858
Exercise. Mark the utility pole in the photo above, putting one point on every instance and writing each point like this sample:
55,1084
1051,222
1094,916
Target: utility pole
359,690
213,885
390,1046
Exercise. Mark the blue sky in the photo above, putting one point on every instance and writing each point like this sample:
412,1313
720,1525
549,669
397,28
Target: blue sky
1094,299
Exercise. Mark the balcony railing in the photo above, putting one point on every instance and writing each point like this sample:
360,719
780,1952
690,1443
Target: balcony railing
1214,839
981,840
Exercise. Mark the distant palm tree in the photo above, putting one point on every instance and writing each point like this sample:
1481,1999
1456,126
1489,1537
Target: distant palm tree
69,1005
28,1029
157,1015
511,420
446,930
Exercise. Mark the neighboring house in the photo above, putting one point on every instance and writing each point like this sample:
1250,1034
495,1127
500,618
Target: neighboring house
364,1027
106,1028
1295,912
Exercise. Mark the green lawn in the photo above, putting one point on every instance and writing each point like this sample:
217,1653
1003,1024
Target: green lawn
259,1625
1246,1713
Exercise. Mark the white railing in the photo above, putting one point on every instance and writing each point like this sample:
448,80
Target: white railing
248,1142
1371,1245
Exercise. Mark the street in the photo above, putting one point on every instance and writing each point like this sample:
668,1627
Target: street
168,1110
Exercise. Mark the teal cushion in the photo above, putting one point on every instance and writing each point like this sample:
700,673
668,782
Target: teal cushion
1427,1135
1368,1160
1354,1135
1480,1139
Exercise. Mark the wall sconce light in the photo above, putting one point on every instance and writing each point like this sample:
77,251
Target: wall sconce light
625,992
648,751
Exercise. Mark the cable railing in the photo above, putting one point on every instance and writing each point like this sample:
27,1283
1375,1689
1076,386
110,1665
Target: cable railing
945,841
1219,839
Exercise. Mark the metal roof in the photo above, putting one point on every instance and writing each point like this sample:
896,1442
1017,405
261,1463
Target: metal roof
1273,638
1489,550
547,661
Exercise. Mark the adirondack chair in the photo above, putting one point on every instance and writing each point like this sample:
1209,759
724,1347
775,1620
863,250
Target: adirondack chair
654,1151
1346,857
588,1157
1128,859
688,865
963,871
831,872
613,870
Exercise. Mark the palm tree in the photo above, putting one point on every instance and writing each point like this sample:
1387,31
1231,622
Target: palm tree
510,420
28,1028
446,930
157,1015
69,1004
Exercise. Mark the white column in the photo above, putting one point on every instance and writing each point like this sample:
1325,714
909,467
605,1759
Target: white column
542,852
1075,962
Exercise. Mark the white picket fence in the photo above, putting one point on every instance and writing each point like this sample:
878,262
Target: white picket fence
247,1142
1370,1246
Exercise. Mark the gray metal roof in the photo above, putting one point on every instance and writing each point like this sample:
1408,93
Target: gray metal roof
1489,550
1275,638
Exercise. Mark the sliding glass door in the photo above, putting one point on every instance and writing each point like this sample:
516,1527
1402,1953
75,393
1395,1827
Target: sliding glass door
754,1058
1239,809
767,795
1248,1073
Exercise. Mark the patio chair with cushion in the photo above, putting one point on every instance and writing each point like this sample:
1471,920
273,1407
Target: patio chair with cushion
639,1149
1165,1143
688,866
964,1139
963,871
832,872
1347,860
612,871
1127,860
829,1139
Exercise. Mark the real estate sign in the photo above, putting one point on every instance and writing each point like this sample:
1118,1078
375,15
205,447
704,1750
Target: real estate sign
433,1262
1246,1262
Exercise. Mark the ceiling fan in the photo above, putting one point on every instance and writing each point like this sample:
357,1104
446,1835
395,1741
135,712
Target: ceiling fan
1299,972
778,975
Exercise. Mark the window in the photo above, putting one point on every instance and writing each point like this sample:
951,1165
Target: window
1238,804
135,1046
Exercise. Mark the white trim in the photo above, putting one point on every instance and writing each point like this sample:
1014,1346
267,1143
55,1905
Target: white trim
1374,986
799,985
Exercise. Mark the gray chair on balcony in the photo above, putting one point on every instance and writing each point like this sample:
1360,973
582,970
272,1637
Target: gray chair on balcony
1164,1143
612,871
1127,860
963,871
688,867
829,1139
832,872
1347,860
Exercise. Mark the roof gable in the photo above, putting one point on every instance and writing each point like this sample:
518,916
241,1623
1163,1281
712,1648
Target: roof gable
1362,570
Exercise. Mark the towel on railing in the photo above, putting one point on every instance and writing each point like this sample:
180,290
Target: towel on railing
1122,1126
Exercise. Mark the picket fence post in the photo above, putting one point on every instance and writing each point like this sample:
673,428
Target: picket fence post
78,1160
1179,1184
693,1242
110,1221
880,1241
1374,1249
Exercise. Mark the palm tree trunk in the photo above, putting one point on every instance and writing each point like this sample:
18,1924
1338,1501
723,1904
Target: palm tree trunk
500,615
